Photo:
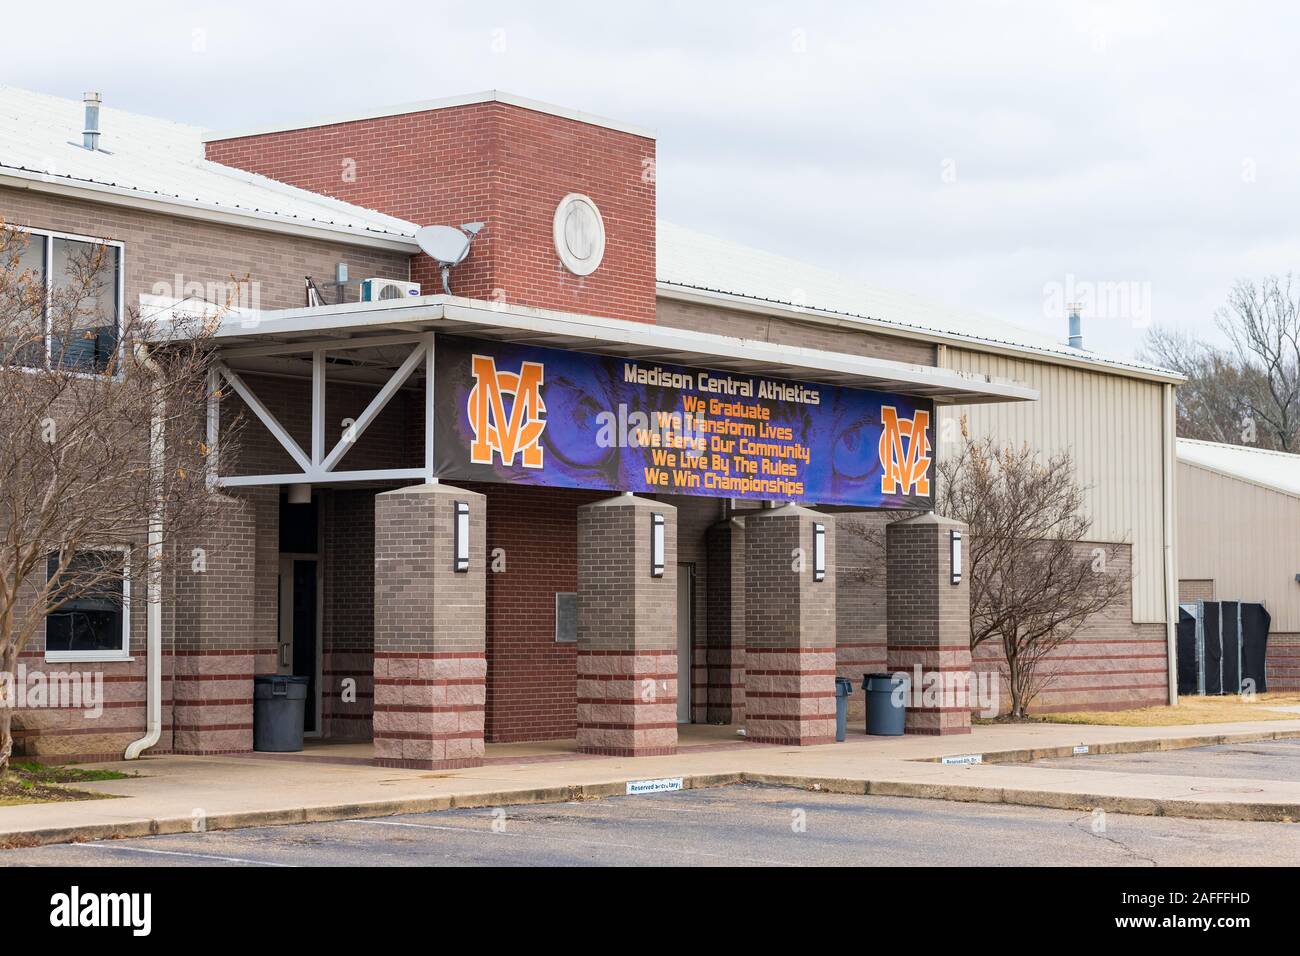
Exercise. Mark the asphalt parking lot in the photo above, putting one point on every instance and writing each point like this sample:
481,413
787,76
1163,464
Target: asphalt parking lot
1259,760
743,825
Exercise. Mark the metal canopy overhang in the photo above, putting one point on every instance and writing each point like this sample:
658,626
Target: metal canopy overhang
259,340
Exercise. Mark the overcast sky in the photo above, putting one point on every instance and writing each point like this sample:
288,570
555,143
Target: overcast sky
1003,157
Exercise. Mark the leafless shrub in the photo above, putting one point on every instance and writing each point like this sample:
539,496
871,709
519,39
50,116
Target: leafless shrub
101,453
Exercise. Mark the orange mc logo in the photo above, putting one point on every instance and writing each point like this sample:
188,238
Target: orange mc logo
496,432
904,469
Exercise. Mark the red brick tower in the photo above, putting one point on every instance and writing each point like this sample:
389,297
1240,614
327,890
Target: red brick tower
488,158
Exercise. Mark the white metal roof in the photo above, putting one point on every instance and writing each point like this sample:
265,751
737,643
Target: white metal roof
151,159
689,261
158,162
1272,469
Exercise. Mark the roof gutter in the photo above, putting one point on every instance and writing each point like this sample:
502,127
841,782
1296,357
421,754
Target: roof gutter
626,339
207,212
669,290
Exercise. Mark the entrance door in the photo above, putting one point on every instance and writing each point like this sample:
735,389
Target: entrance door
685,628
298,650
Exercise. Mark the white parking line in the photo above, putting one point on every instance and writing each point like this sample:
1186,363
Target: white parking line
197,856
416,826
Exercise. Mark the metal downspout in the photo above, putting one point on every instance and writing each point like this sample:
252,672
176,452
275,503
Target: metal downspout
153,590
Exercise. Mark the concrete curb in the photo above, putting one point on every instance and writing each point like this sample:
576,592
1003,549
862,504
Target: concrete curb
964,793
1047,799
1128,746
165,826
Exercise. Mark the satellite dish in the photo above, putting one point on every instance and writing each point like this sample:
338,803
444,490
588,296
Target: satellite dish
447,244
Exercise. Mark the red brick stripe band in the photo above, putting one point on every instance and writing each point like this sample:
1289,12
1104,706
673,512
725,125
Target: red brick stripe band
598,652
431,656
630,676
397,763
427,708
627,702
631,751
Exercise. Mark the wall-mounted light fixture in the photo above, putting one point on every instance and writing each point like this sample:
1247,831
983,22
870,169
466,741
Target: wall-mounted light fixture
819,552
460,537
656,545
954,545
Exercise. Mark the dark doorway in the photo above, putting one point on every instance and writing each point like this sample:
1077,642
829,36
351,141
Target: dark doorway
299,650
299,644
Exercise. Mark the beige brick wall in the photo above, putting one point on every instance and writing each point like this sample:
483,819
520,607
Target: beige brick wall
157,247
1110,663
1191,590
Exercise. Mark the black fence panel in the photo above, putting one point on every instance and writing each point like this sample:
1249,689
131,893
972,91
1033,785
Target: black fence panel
1213,649
1189,664
1230,643
1255,621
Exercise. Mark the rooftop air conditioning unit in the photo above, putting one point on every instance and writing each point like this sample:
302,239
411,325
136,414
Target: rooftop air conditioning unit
385,290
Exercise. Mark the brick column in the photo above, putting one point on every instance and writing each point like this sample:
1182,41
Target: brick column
928,621
223,627
789,628
627,630
430,669
724,623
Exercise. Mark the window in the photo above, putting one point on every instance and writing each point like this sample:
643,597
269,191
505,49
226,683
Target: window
61,263
566,617
95,624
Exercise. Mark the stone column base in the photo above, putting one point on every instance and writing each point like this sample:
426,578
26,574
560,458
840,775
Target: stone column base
627,703
942,688
790,696
429,710
725,692
348,719
212,695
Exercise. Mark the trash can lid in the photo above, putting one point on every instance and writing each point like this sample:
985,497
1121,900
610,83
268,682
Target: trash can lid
279,678
882,681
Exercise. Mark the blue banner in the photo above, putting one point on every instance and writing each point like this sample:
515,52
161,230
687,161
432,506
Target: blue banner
510,413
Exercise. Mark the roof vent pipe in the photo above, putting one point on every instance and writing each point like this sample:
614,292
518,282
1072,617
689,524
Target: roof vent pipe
90,135
1076,328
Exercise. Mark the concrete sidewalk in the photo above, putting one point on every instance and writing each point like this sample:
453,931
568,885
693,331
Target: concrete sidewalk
175,794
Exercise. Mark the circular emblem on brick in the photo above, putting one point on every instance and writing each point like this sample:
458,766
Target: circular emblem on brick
579,234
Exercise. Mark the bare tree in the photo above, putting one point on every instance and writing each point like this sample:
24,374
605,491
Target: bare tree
1034,579
101,459
1214,403
870,529
1262,321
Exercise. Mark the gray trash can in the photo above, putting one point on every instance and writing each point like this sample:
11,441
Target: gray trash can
279,706
843,691
885,715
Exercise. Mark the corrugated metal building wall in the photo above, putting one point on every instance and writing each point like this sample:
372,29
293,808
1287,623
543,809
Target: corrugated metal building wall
1243,540
1112,426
